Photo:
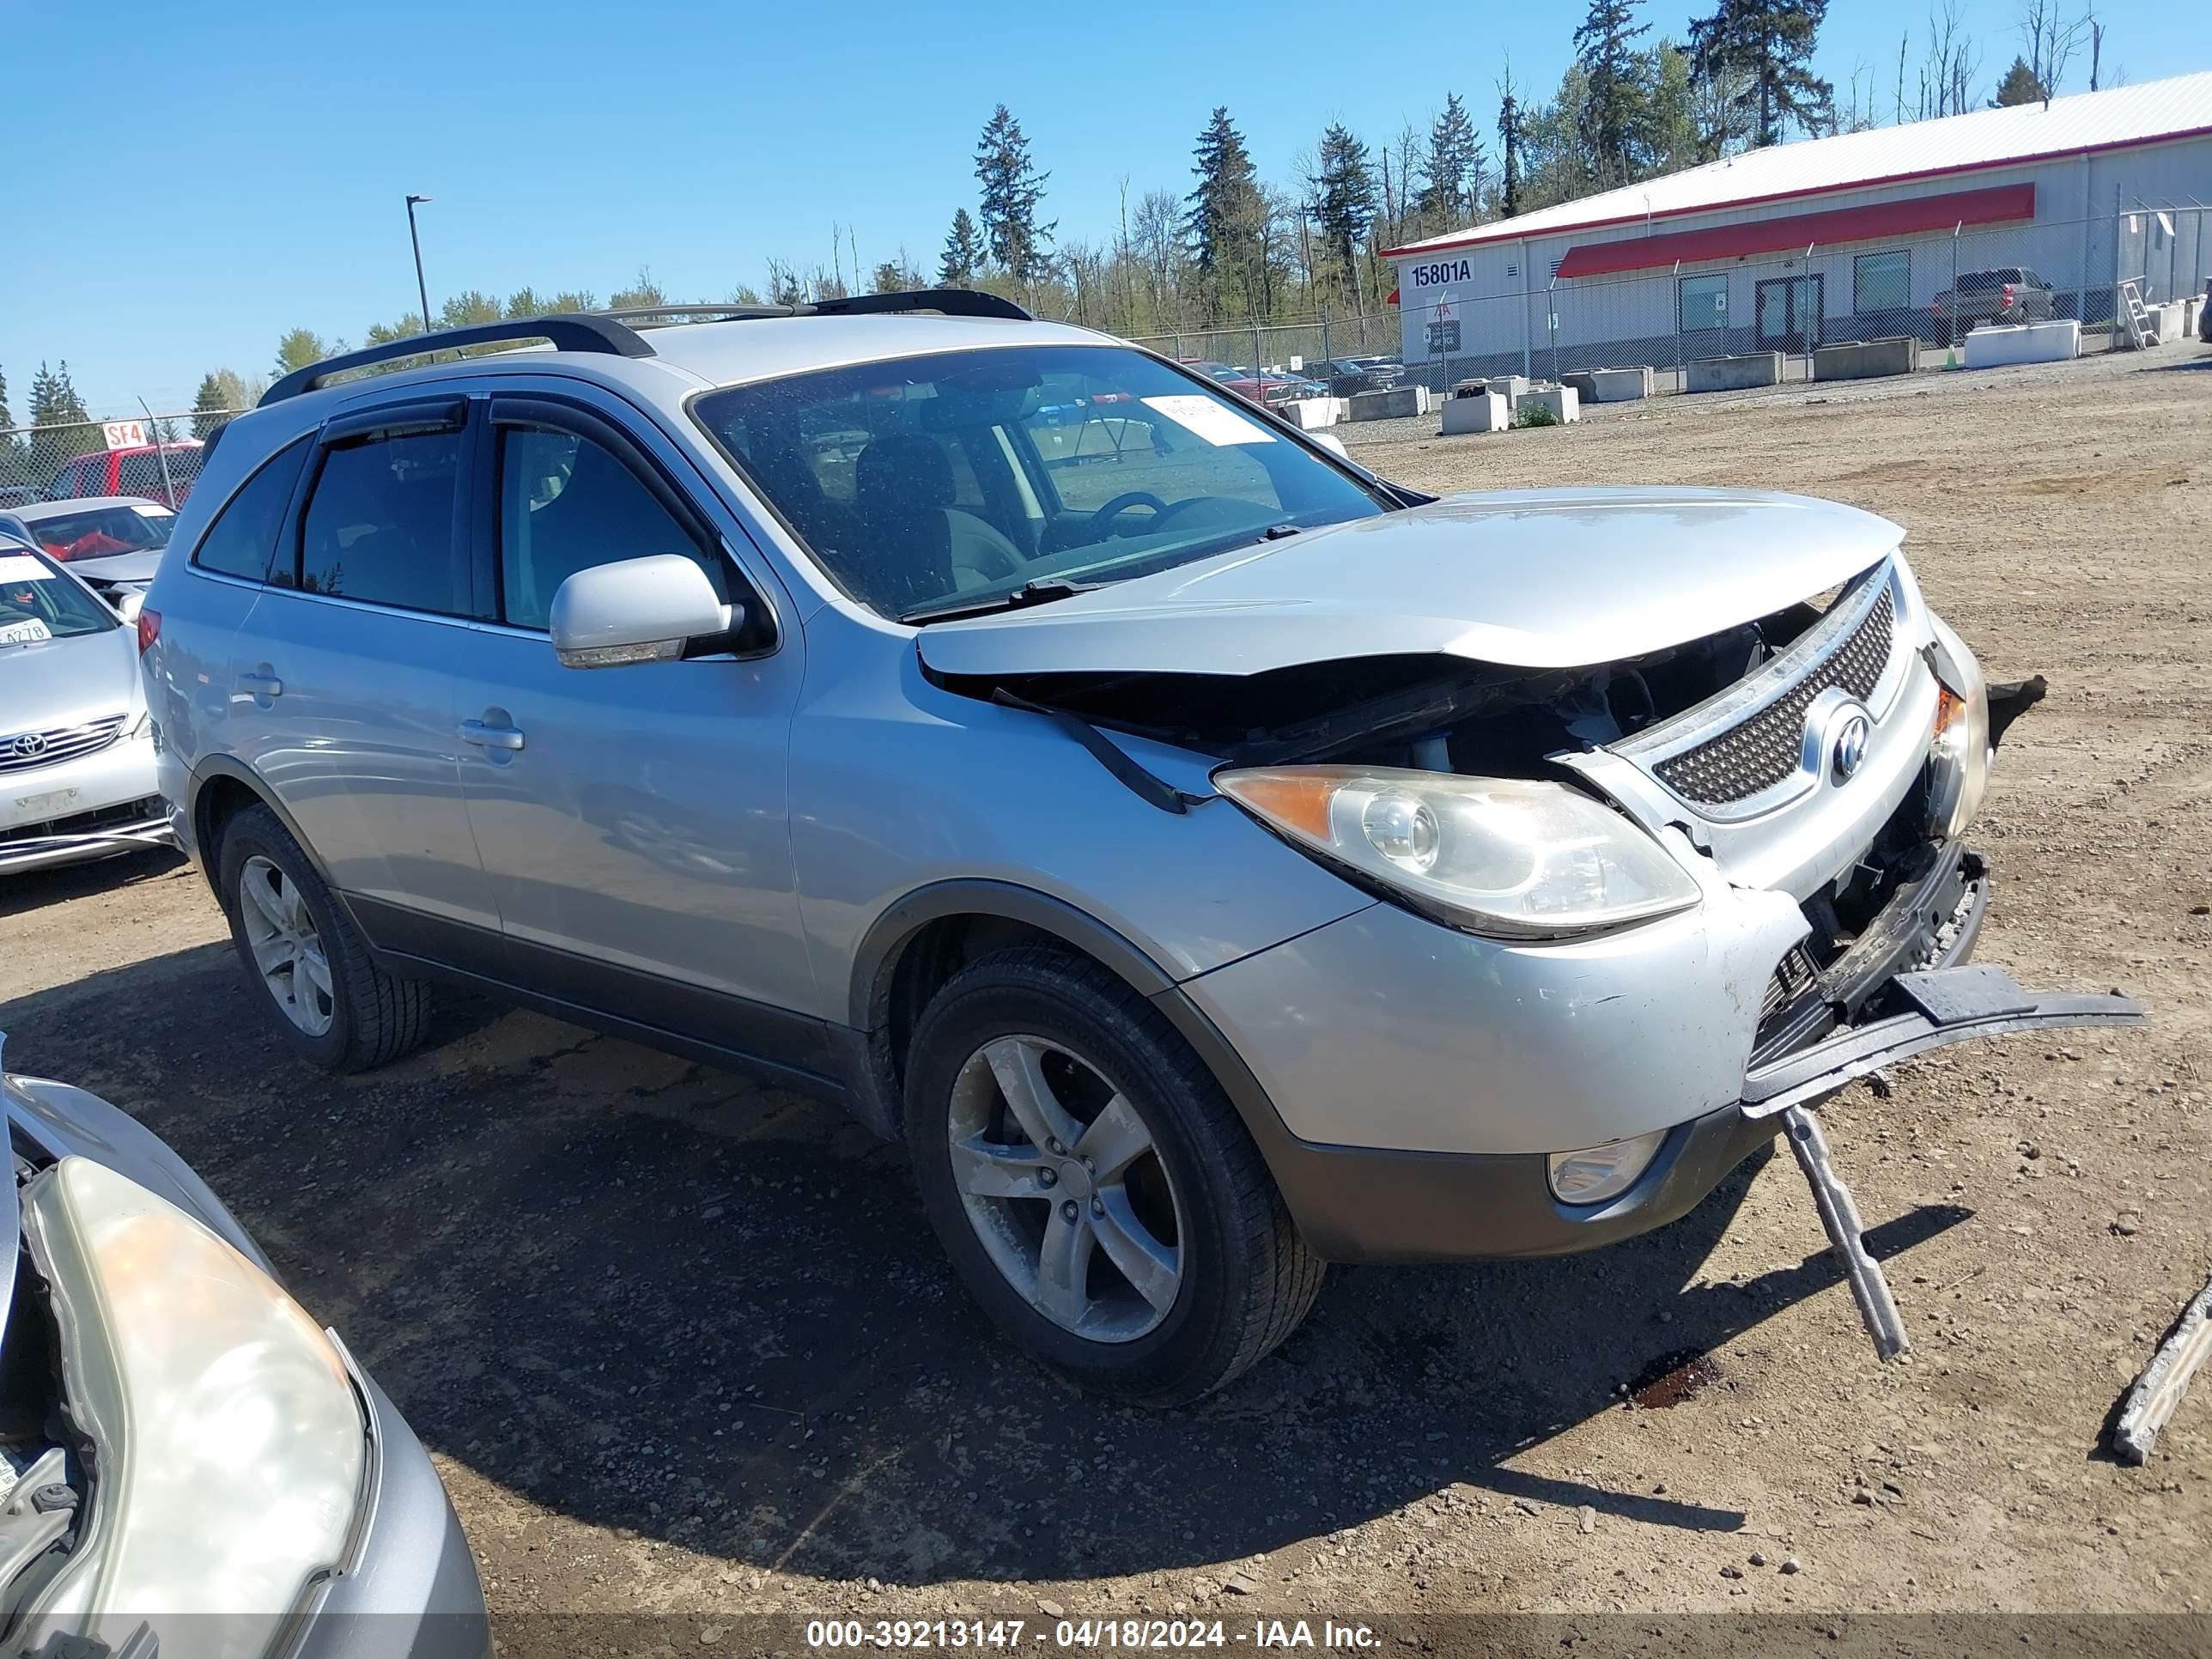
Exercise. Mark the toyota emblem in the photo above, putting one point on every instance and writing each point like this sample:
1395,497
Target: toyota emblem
1850,743
29,746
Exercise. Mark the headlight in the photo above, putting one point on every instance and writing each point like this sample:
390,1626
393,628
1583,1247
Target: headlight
228,1444
1501,856
1597,1173
1959,752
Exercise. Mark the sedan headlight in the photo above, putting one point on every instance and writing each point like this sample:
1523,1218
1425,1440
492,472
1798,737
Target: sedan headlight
1958,753
1502,856
230,1448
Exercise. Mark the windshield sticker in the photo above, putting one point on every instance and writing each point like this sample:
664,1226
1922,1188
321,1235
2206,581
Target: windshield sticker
22,568
32,632
1218,425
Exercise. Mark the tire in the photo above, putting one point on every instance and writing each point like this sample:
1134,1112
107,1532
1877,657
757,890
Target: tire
1243,1279
372,1017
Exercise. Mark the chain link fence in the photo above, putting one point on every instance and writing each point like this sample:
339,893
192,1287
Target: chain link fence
156,457
1273,346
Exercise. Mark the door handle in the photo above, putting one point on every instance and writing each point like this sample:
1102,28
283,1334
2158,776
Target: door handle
262,685
491,737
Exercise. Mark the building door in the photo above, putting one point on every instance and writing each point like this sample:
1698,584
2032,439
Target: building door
1789,310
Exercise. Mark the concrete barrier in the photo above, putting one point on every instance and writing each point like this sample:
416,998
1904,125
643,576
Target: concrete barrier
2167,317
1562,400
1754,368
1485,411
1312,414
1866,360
1393,404
2054,341
2192,312
1609,385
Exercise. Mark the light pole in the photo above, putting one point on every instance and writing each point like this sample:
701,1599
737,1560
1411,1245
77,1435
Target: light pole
422,290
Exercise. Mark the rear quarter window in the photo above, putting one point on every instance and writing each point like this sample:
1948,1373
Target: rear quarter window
242,539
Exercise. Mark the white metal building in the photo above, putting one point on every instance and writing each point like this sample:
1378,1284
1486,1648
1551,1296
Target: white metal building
1848,238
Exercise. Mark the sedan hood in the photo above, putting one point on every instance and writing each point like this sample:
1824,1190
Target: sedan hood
67,682
133,569
1561,579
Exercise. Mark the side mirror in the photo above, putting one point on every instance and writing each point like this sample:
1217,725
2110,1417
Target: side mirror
129,604
635,611
1334,444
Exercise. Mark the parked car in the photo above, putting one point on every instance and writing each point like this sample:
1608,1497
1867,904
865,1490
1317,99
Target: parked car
19,494
1212,862
1261,386
112,544
2204,314
195,1467
76,759
1347,376
141,471
2003,294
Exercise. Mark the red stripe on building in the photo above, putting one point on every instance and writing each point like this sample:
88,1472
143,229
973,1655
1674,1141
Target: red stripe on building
1872,222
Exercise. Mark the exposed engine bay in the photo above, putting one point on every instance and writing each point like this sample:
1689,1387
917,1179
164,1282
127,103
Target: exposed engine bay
1432,712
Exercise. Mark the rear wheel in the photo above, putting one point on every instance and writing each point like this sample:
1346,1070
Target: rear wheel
333,1004
1094,1187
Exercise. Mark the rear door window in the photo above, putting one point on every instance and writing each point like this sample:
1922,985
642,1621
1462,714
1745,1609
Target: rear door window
382,524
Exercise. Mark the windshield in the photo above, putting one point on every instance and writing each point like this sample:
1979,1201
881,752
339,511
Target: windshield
938,482
37,602
99,532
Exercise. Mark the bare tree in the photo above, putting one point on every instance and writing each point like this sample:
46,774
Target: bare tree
2051,39
1947,70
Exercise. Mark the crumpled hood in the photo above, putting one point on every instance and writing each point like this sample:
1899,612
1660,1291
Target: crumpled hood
1550,579
67,682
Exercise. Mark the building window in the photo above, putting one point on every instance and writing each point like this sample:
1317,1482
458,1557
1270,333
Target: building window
1881,281
1703,303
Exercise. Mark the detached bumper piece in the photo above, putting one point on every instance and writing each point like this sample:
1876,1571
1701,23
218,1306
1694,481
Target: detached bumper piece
1944,1005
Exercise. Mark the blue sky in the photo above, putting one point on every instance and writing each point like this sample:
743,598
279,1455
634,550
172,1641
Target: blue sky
196,179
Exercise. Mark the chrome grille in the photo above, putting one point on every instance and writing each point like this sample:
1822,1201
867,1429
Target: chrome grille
21,750
1754,756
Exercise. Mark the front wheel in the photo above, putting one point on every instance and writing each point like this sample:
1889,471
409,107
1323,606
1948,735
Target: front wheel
1094,1188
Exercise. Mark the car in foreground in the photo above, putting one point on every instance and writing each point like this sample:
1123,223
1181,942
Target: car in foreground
2003,294
158,473
76,757
196,1468
1212,859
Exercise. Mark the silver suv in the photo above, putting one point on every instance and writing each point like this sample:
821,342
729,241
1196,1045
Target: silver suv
1212,859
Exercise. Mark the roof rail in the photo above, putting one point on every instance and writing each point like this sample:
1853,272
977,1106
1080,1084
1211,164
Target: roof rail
945,301
565,331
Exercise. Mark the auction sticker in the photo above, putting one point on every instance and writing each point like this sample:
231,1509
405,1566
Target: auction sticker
1219,426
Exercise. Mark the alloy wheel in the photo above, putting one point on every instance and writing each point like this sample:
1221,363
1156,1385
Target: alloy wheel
288,949
1061,1181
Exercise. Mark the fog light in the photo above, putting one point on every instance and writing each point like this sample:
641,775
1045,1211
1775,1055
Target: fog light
1597,1173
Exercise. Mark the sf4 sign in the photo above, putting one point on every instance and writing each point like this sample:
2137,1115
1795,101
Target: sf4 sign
124,434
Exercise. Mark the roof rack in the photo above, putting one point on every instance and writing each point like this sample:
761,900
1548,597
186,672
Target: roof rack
565,331
945,301
611,331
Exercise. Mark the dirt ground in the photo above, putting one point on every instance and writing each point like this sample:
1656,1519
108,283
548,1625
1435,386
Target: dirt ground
684,1346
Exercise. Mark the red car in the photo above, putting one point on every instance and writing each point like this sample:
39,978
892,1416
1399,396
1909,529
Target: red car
133,471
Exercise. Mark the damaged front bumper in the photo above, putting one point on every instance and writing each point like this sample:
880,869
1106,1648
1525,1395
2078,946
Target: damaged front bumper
1899,990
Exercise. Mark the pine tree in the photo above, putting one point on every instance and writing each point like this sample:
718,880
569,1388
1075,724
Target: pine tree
1012,187
1769,44
1221,226
1343,200
964,252
1451,175
7,420
54,402
1509,139
2020,86
221,394
1616,114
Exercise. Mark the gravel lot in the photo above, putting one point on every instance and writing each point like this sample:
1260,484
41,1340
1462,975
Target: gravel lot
684,1346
